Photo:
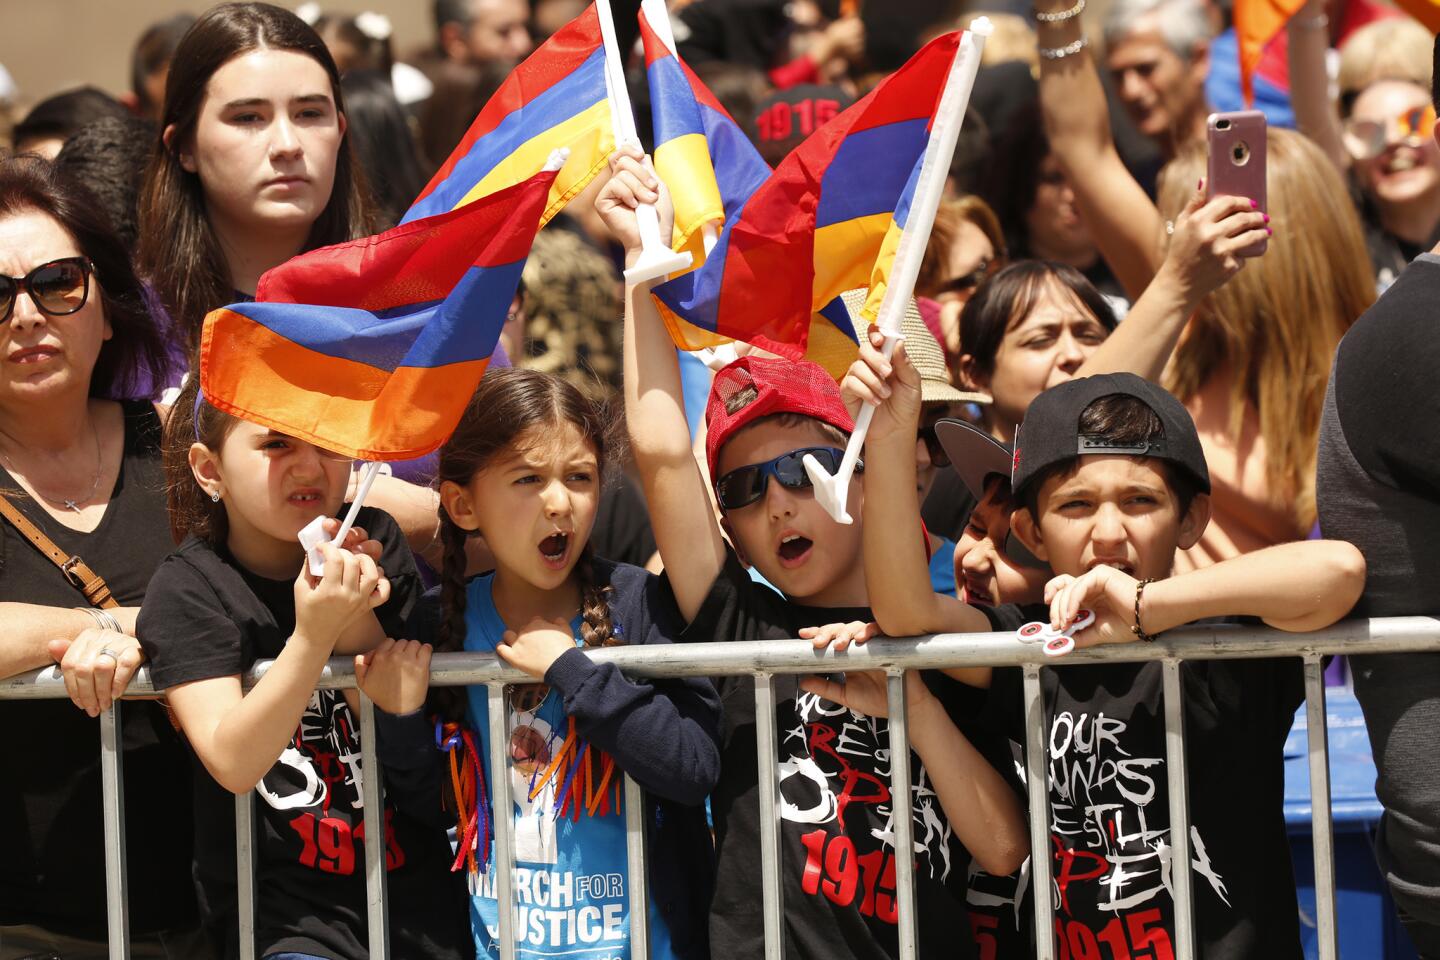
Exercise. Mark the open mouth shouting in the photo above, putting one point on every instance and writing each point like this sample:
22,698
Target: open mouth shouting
555,550
794,549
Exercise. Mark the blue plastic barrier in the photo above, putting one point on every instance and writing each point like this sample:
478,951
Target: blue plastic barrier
1365,915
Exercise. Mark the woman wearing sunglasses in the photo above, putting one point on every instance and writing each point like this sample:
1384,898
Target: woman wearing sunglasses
80,477
1384,133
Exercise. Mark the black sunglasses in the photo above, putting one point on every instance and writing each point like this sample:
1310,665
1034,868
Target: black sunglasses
58,288
971,280
933,446
742,487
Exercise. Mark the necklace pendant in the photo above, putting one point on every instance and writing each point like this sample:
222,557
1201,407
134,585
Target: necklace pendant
72,505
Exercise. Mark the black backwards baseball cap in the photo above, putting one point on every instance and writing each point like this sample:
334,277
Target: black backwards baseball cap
1050,434
976,457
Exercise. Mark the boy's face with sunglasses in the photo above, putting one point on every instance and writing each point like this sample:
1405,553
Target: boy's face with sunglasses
1390,135
782,530
51,321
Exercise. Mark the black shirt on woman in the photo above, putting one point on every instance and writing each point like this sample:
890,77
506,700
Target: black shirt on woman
52,846
206,617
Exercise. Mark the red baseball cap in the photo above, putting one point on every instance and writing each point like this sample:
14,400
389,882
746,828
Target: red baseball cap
781,386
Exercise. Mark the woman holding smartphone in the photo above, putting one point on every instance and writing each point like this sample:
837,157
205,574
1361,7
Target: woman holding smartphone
1252,363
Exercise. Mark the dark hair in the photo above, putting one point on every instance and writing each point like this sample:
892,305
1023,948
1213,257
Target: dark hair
179,251
66,114
1435,75
509,403
1010,295
450,11
1123,421
385,149
371,53
191,511
740,87
1010,186
135,353
109,157
461,90
153,52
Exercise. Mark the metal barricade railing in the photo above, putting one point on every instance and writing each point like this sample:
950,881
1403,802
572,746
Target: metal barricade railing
764,660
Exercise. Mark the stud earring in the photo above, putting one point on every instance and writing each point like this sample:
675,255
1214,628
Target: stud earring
215,497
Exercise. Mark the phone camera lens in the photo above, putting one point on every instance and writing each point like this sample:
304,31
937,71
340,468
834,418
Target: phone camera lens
1222,124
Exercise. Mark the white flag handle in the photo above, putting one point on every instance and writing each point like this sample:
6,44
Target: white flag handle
832,492
656,257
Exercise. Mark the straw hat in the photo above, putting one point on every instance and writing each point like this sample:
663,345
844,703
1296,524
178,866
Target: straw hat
921,347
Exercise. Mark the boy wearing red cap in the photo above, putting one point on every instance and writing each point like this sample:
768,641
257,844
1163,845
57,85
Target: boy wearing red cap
838,859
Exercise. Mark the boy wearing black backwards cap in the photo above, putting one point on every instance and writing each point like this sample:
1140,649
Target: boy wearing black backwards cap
838,859
1109,481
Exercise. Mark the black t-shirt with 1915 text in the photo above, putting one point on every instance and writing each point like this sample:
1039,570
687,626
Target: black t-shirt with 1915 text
1110,807
204,617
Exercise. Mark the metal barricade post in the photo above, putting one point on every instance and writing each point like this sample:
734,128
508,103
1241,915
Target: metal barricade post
764,660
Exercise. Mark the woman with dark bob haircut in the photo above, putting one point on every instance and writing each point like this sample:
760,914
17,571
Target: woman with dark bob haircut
1026,329
84,472
252,166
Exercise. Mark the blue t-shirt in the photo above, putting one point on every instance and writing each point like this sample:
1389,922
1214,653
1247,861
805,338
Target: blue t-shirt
942,567
570,883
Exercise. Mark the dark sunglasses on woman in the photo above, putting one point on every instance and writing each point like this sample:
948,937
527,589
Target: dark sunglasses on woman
58,288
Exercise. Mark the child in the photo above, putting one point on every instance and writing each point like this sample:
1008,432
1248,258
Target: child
991,566
229,596
837,857
1110,481
523,469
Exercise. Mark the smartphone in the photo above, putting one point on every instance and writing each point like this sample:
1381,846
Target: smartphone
1236,166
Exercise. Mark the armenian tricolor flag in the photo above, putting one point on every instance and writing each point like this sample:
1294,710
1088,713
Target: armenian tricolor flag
709,165
383,369
819,225
555,100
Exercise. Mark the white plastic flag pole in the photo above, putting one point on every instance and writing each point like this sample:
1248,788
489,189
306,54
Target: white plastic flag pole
656,257
314,533
832,492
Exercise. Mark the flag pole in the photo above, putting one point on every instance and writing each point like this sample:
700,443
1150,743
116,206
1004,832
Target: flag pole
832,492
656,257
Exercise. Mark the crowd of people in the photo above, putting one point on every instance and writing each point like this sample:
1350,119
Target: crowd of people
1121,393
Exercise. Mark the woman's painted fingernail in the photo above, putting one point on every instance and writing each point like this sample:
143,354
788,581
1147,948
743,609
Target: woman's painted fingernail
1269,232
1254,205
1266,216
1200,184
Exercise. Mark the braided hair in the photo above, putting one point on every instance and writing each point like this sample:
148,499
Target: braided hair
509,403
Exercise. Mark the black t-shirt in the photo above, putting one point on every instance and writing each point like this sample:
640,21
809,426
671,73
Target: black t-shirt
622,524
52,846
1378,486
839,860
1110,806
205,617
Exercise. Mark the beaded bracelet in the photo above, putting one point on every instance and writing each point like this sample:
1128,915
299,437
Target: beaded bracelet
1063,15
1069,50
1137,629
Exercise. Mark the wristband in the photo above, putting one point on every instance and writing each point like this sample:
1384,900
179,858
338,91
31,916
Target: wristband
1137,629
1063,15
1069,50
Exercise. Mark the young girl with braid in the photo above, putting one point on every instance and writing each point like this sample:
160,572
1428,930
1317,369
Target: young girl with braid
523,469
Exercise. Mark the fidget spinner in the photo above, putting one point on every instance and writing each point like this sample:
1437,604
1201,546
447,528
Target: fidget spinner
1057,642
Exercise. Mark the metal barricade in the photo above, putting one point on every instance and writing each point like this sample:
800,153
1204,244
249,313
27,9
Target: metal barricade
763,661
